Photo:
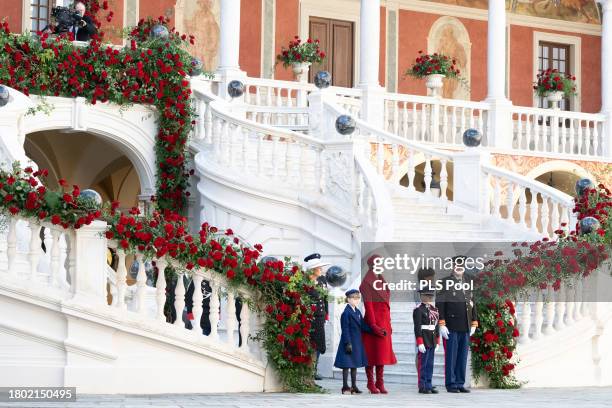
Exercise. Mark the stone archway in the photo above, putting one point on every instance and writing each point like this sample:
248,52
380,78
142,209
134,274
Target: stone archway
130,131
449,36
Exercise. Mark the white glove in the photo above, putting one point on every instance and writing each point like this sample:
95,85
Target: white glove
422,348
472,331
437,347
444,332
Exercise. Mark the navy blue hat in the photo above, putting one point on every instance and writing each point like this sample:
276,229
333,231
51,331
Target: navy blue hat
351,292
312,256
427,292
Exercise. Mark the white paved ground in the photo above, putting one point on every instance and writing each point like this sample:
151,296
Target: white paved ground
400,396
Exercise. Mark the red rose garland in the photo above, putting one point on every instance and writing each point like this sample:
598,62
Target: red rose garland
534,266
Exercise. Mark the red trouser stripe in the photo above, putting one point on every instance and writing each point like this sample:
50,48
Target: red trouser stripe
419,369
444,345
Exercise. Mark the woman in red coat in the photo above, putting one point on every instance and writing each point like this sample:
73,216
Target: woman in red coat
378,345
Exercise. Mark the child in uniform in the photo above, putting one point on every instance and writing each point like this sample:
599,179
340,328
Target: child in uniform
426,332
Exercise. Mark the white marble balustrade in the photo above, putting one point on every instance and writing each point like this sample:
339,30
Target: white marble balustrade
153,303
433,120
557,131
527,203
37,253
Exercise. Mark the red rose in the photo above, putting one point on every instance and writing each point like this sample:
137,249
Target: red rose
55,219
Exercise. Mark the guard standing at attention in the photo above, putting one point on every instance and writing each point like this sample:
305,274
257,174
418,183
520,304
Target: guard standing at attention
458,321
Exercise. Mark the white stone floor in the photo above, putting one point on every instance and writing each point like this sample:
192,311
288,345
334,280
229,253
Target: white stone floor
399,396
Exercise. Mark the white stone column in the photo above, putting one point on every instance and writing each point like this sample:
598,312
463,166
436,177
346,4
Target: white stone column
606,66
369,54
499,117
496,50
229,48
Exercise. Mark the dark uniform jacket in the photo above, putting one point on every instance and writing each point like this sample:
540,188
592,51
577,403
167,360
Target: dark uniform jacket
456,307
426,329
85,33
317,334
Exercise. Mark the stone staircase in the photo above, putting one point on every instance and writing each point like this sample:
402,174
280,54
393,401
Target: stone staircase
416,219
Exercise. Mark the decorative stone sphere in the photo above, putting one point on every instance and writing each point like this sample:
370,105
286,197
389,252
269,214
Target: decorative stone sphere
4,95
235,89
583,185
322,79
335,276
472,138
267,259
91,195
588,225
159,31
345,125
196,67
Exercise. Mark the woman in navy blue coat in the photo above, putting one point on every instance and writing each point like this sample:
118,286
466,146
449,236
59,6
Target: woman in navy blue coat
351,353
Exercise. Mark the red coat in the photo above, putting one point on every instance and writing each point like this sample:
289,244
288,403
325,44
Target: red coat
379,348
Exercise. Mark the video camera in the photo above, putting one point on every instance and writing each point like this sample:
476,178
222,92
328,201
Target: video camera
65,18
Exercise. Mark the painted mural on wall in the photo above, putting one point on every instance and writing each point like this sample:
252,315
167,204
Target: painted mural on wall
583,11
448,36
201,18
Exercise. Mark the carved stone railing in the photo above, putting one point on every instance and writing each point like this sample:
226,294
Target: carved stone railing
46,260
527,203
557,131
433,120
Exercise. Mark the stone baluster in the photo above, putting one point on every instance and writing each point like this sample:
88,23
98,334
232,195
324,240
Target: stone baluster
443,179
230,318
179,300
545,218
525,322
141,285
533,211
427,174
198,297
395,159
411,170
214,309
35,249
522,207
208,123
578,299
496,196
121,279
570,305
11,246
550,311
245,322
538,315
55,259
560,312
160,289
510,201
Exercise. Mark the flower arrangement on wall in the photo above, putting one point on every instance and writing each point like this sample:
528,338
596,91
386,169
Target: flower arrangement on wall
299,52
552,80
540,265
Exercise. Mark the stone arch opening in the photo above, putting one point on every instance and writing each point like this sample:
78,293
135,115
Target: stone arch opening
87,160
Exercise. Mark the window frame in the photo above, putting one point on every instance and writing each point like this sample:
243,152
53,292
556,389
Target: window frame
41,22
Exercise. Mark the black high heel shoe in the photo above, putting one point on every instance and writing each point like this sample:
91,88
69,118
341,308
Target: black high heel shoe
355,390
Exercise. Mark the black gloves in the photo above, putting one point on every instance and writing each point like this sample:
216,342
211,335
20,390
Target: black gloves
348,348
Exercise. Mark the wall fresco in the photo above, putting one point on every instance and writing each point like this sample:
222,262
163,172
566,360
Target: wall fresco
583,11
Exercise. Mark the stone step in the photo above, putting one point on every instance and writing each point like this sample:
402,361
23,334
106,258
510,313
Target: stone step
402,227
424,235
419,209
435,219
